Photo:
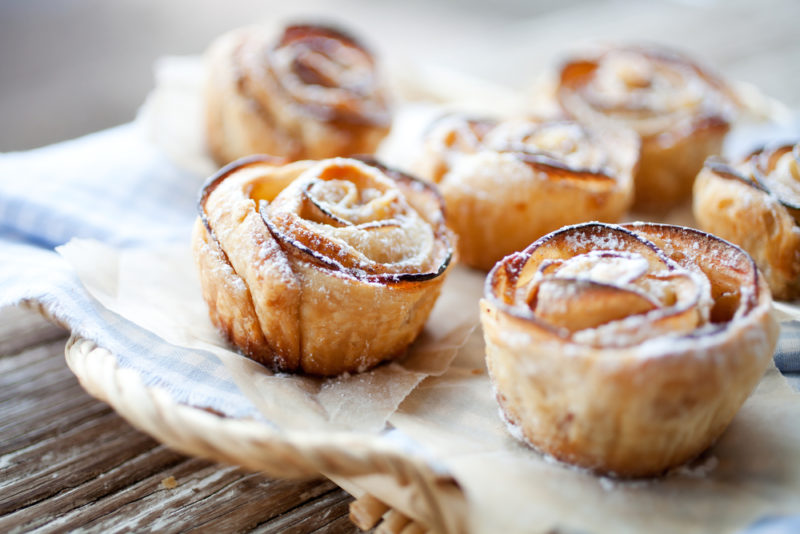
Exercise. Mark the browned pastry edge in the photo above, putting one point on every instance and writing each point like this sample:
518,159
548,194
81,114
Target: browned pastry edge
235,313
617,410
735,204
498,206
669,160
249,109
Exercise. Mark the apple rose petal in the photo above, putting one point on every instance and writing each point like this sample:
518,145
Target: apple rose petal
644,338
755,203
507,183
293,255
314,92
679,109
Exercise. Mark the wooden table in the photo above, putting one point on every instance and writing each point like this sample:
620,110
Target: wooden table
70,462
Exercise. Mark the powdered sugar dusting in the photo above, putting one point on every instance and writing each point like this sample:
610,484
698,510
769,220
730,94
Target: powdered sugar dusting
626,280
604,266
357,218
222,269
583,240
696,469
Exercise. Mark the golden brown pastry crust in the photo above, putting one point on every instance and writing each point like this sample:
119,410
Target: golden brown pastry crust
755,204
313,94
625,349
320,267
679,109
508,183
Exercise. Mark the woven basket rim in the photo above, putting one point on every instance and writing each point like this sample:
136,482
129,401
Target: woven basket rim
257,446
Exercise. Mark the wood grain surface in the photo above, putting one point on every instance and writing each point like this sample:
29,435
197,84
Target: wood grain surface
69,462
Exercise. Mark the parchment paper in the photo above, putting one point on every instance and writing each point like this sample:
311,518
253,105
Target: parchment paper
158,289
448,409
754,470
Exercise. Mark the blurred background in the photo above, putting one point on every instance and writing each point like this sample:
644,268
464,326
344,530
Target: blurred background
70,67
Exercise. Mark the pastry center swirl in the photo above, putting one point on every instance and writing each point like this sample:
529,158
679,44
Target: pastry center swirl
651,91
323,69
329,64
601,286
627,82
356,217
779,171
564,141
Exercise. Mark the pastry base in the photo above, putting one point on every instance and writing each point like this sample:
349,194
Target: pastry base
756,222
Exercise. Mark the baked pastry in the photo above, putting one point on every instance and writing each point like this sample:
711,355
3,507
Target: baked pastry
508,183
313,94
755,204
679,109
625,349
319,267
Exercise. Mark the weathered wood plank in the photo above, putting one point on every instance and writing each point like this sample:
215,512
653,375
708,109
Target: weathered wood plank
74,412
21,328
69,462
340,525
323,513
40,369
254,506
151,463
206,497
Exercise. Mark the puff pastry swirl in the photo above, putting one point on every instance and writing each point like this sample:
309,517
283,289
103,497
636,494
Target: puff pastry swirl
313,94
320,267
756,204
625,349
680,110
508,183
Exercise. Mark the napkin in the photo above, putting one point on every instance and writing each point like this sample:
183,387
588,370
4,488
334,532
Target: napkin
116,187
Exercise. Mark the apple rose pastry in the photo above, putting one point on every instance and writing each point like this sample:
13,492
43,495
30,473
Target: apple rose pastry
680,110
320,267
313,94
625,349
508,183
756,204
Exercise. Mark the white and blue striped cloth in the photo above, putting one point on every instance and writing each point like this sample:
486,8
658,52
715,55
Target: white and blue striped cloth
115,187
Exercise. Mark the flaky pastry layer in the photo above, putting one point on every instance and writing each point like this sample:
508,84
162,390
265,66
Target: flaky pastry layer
312,94
320,267
679,109
508,183
625,349
755,204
